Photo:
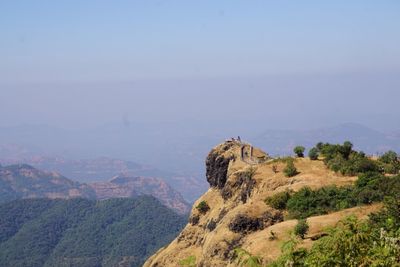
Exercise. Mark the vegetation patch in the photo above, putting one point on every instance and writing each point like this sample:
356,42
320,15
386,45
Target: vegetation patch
81,232
299,151
372,242
290,170
244,258
313,153
203,207
343,159
279,200
301,228
245,224
188,262
389,162
369,188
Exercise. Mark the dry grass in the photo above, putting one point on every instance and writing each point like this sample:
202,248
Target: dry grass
210,247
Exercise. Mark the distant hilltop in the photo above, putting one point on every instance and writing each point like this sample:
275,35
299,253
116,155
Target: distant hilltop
23,181
255,202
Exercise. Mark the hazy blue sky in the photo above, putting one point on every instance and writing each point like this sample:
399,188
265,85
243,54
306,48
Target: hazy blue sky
95,40
282,63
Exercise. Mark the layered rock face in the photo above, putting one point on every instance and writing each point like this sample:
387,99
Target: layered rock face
241,177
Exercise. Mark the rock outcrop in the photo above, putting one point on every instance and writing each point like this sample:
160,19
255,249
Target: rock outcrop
241,177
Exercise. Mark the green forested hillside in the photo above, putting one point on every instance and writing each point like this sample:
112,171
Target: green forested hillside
81,232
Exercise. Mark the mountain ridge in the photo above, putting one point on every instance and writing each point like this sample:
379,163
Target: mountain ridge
24,181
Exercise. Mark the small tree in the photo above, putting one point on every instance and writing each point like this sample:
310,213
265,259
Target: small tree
389,157
290,170
279,200
346,149
203,207
299,151
301,229
313,153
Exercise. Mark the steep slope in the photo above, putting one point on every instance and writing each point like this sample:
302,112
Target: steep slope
81,232
24,181
241,178
127,186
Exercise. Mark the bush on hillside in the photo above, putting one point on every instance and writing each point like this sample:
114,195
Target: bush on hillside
279,200
373,242
307,202
313,153
299,151
389,162
203,207
341,158
369,188
290,170
301,228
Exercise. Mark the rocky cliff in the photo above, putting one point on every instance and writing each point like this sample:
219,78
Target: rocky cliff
233,212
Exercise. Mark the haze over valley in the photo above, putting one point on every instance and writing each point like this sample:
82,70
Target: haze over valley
167,133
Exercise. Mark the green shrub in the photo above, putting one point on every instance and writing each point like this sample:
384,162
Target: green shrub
301,228
299,151
290,170
279,200
313,153
81,232
189,261
389,162
307,202
341,158
203,207
389,157
373,242
246,259
369,187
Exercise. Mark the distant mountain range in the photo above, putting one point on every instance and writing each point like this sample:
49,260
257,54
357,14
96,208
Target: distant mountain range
24,181
102,169
176,149
282,142
127,186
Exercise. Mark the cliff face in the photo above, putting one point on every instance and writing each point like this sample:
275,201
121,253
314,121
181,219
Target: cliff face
240,179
